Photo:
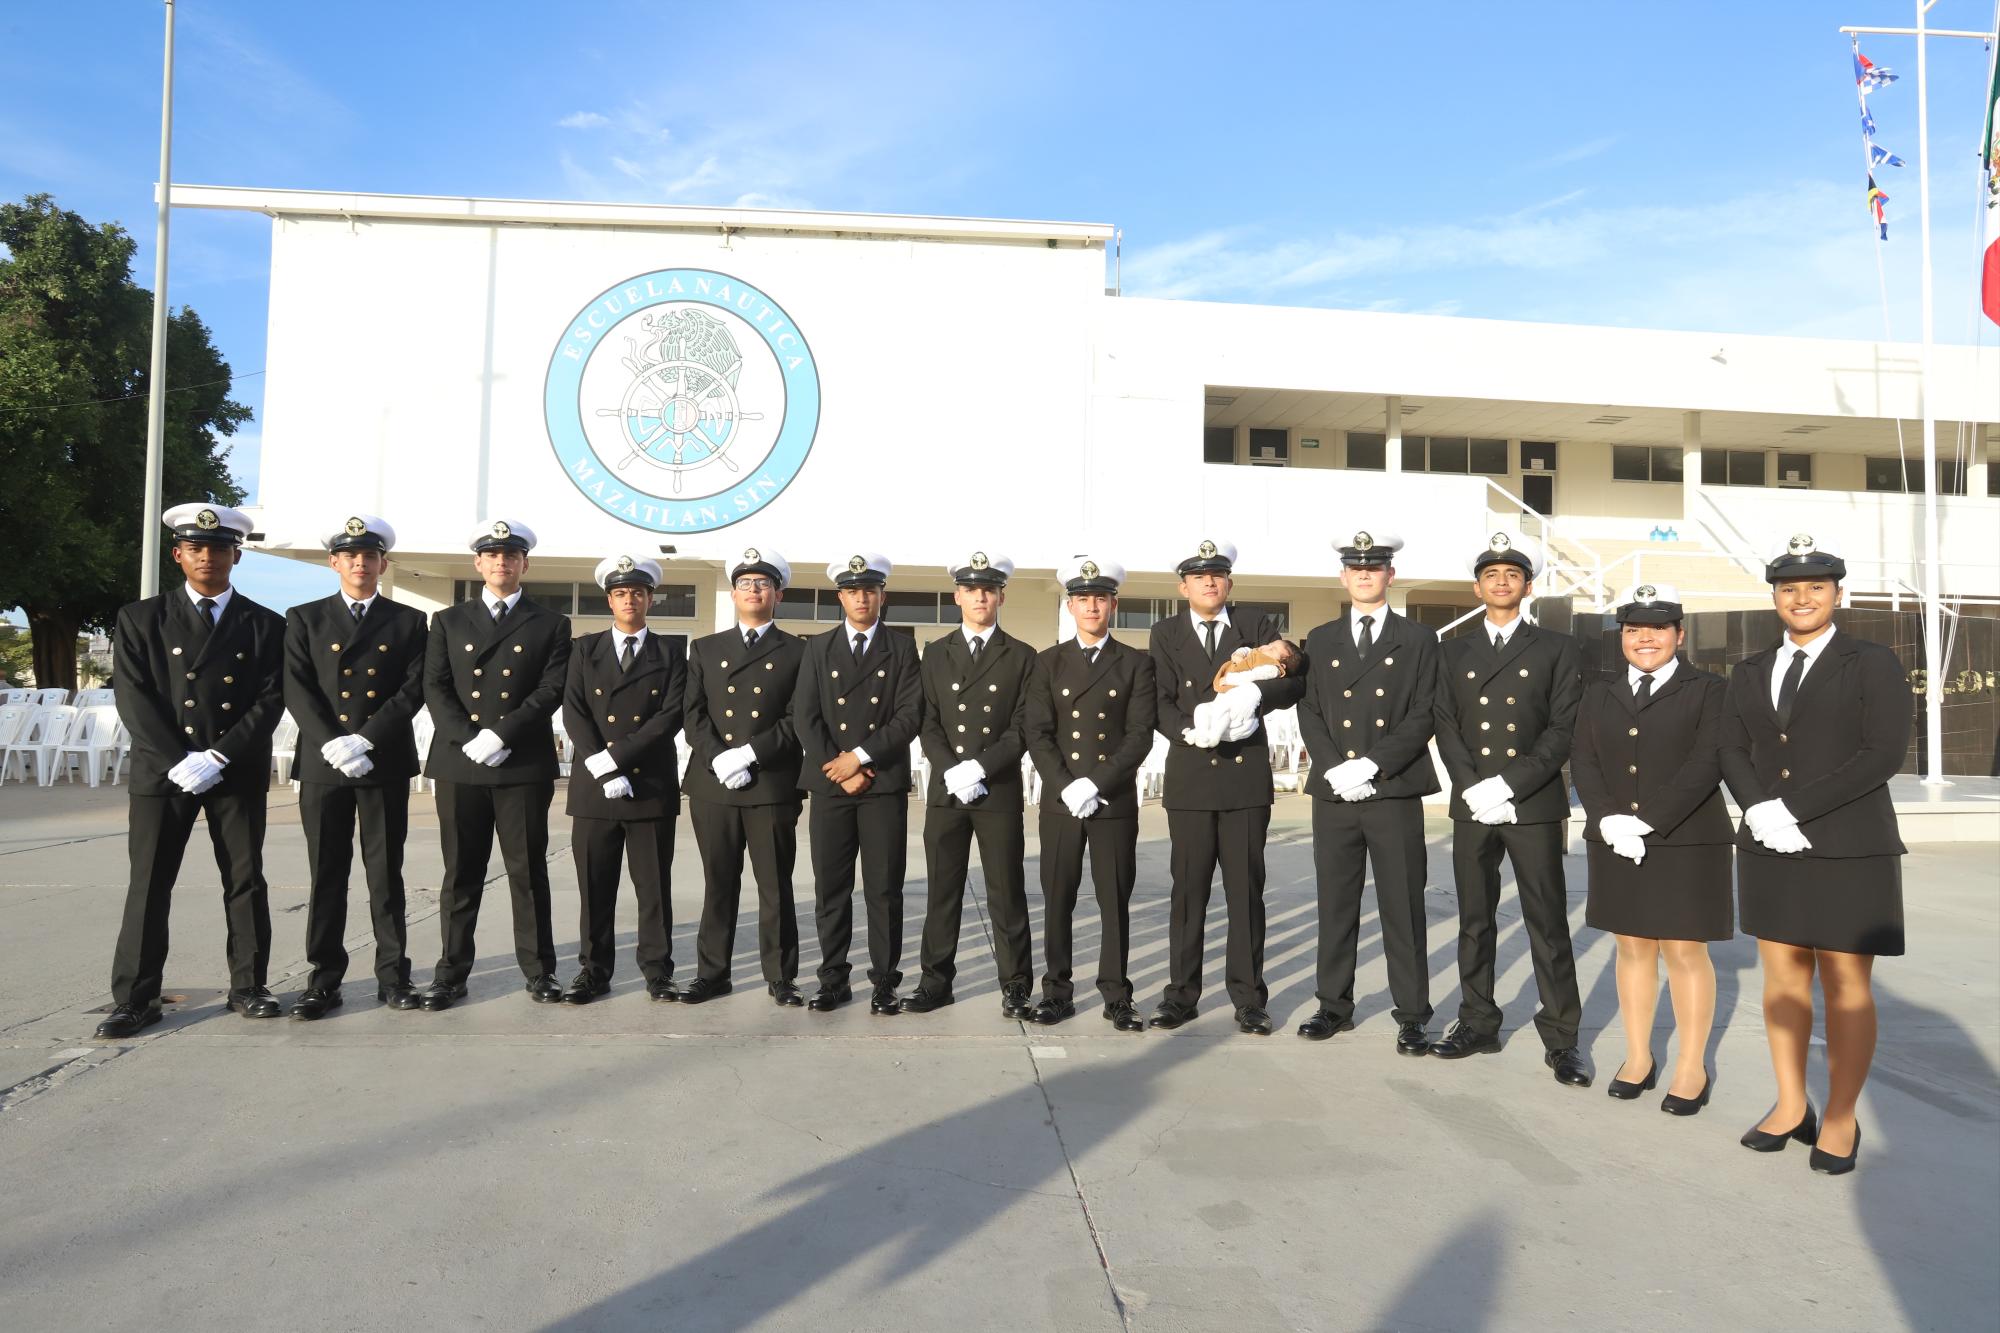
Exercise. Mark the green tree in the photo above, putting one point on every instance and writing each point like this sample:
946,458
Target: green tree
75,335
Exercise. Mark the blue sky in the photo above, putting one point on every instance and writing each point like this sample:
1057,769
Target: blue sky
1678,166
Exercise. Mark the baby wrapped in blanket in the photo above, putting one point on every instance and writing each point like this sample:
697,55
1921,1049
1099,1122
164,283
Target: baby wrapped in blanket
1232,714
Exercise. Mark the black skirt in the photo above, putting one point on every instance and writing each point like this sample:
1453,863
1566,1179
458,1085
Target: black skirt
1676,893
1851,904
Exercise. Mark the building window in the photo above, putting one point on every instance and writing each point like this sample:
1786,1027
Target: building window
1640,462
1413,453
1490,457
911,608
1218,444
1438,615
1142,612
1270,448
1367,450
1450,453
1244,613
1732,467
672,601
1795,469
1907,474
1538,456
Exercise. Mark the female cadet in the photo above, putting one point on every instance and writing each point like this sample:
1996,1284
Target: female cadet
1646,764
1814,728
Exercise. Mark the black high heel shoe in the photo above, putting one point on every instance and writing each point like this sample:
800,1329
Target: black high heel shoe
1673,1105
1626,1092
1806,1131
1828,1165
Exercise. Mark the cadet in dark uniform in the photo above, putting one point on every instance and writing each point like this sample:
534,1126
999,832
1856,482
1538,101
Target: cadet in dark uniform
974,682
1506,710
622,709
1366,718
858,706
1218,798
743,780
1647,767
1813,729
1089,723
354,680
493,677
198,689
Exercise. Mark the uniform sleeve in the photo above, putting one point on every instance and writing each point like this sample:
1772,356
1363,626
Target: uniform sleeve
1444,716
252,732
1410,738
578,724
450,722
1739,768
1039,725
303,697
401,709
1886,720
1313,728
655,736
1584,769
809,719
1670,803
1122,769
138,696
1544,759
540,706
1168,715
937,748
703,738
1274,696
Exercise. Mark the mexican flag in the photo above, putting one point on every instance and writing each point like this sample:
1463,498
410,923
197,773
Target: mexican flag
1989,278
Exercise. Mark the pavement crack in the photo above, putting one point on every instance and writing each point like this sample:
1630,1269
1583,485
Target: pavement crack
78,1064
1082,1200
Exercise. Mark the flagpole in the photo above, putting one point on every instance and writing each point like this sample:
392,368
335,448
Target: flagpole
156,380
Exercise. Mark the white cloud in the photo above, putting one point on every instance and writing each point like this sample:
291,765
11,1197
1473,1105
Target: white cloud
1579,152
583,120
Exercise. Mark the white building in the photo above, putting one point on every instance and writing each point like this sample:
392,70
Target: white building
630,378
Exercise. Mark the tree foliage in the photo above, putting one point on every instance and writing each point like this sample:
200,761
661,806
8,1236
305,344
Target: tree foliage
75,338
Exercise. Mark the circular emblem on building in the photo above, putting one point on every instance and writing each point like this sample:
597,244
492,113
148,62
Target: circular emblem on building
501,530
1499,541
682,400
1363,542
1800,544
1088,569
207,521
354,527
1645,592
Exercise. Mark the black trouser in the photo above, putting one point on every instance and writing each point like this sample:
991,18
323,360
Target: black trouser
468,817
648,850
770,836
328,813
156,838
1536,851
1346,836
1003,851
1234,840
872,828
1114,867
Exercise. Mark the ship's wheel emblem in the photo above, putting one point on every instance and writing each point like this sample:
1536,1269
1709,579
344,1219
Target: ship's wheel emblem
680,410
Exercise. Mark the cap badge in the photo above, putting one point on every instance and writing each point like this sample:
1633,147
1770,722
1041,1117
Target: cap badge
1800,544
1363,541
979,560
1206,550
626,564
855,564
1088,569
207,521
1500,541
355,527
1645,592
751,555
501,530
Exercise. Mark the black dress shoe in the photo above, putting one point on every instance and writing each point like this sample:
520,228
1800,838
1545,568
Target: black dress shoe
1569,1065
1673,1105
885,1001
1052,1011
1626,1091
440,994
1170,1014
1411,1039
662,990
829,998
1253,1020
785,994
1322,1025
1124,1015
544,990
703,989
402,995
257,1002
127,1020
585,987
316,1002
1828,1165
1016,1001
1460,1041
922,1001
1806,1131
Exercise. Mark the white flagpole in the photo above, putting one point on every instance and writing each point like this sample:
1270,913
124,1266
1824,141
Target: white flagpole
156,380
1934,677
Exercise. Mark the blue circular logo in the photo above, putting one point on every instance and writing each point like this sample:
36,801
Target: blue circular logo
682,401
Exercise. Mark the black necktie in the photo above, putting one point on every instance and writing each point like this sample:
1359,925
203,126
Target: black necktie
977,644
207,608
1208,632
1367,639
1499,642
860,648
1090,653
1644,692
1788,689
631,651
358,609
499,612
749,638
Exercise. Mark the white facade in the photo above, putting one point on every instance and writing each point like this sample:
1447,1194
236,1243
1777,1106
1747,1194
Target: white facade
976,387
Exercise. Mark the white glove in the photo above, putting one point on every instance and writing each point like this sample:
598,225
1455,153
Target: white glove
1360,793
1786,840
1351,773
481,748
196,773
1766,817
1632,849
738,780
182,775
1617,827
1240,729
341,749
1483,796
358,767
961,776
619,788
731,762
1079,794
601,764
1502,813
977,791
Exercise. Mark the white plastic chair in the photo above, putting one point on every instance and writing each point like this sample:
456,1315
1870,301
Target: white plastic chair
920,768
92,742
285,747
95,698
51,698
684,753
13,716
1281,731
35,745
565,747
1153,773
424,730
12,698
1031,781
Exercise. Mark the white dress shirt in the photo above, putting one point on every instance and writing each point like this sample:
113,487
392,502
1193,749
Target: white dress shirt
618,637
1784,661
220,599
1666,673
365,603
1502,632
982,638
510,601
1381,616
